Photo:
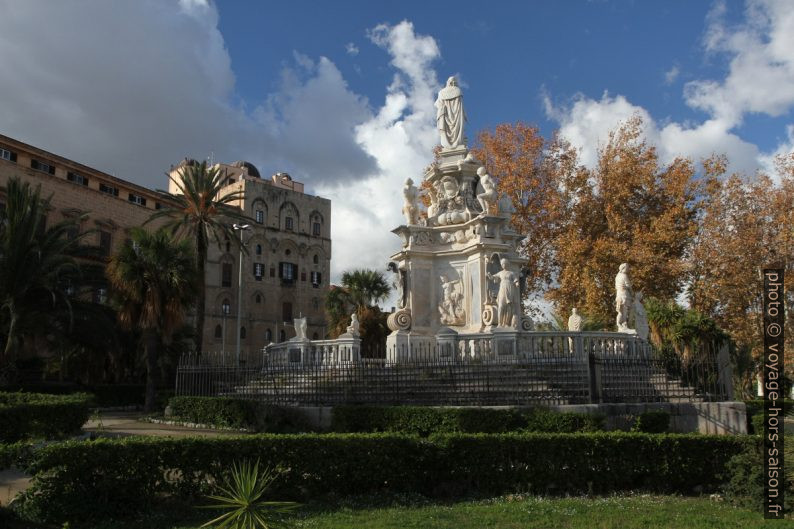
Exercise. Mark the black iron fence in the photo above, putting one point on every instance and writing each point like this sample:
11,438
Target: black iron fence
561,373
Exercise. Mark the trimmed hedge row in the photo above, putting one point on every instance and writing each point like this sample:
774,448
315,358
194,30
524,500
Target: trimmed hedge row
237,413
125,476
424,421
36,415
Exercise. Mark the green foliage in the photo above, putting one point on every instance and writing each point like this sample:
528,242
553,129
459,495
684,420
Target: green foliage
15,454
242,498
425,421
36,415
755,414
37,269
238,413
654,421
745,483
123,477
361,290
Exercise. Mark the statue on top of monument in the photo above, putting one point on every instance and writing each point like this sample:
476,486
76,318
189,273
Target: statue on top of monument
488,197
410,208
450,116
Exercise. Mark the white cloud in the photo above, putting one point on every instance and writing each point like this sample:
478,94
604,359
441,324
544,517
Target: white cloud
130,89
586,123
760,79
671,75
761,72
351,49
400,135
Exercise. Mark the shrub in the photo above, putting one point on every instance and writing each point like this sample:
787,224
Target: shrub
125,476
238,413
15,454
424,421
756,407
745,473
654,421
36,415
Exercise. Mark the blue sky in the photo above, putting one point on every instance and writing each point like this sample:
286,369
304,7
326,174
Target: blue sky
340,94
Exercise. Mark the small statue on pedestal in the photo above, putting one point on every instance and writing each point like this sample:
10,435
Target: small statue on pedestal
623,298
352,329
508,296
488,197
410,209
574,321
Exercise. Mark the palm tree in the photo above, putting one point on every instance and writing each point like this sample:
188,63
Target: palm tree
361,290
37,265
201,212
154,281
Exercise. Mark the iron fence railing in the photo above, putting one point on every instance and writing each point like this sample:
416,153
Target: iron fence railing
547,368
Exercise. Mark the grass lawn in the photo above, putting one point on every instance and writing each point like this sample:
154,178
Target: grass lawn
514,512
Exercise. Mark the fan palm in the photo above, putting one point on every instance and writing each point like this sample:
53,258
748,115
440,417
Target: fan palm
154,281
202,212
361,290
37,265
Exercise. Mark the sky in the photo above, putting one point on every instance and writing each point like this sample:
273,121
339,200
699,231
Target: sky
340,94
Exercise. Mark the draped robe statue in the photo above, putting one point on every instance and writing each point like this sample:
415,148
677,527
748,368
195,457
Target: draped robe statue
624,301
450,116
508,297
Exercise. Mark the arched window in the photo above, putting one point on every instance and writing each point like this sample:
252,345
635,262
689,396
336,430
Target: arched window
258,249
228,247
258,298
287,251
260,216
268,336
218,332
317,225
226,307
316,259
242,333
282,336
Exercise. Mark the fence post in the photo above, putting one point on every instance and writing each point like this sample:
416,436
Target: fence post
594,371
725,373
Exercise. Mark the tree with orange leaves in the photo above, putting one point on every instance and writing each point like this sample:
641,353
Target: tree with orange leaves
528,170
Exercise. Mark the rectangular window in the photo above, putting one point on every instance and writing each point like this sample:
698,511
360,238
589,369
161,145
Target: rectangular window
316,229
317,279
303,276
5,154
43,167
286,311
110,190
157,205
77,178
100,296
260,216
226,274
104,243
259,271
137,199
272,271
288,223
288,272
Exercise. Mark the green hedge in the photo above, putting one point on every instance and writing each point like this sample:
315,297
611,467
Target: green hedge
237,413
654,421
36,415
424,421
15,454
121,477
755,413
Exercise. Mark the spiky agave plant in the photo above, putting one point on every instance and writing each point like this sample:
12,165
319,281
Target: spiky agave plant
241,497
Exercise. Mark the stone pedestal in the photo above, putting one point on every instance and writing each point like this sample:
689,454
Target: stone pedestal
349,348
446,344
505,344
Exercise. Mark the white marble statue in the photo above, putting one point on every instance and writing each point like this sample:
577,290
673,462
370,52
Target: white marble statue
488,197
300,329
399,283
574,321
640,317
450,116
450,309
507,299
623,298
353,328
410,208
